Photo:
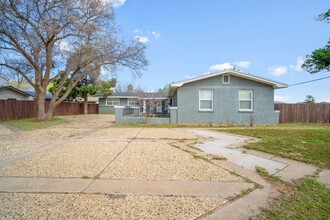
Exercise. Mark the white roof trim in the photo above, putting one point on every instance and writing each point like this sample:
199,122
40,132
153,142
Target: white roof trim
275,84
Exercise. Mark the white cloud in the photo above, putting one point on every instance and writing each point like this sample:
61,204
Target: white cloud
219,67
145,36
188,76
242,64
65,45
297,67
137,31
228,65
278,70
115,3
155,34
104,71
284,98
142,39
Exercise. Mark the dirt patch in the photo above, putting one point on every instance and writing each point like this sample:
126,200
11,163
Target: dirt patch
70,206
75,159
160,161
166,133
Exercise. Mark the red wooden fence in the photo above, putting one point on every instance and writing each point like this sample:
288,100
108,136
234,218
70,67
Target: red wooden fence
12,109
304,113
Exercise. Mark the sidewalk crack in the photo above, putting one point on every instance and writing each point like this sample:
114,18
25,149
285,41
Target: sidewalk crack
97,176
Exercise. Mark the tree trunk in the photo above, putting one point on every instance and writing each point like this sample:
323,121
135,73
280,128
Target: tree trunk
41,113
49,115
50,110
85,106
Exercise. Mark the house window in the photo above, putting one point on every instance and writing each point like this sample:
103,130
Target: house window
112,101
225,79
246,100
206,100
133,102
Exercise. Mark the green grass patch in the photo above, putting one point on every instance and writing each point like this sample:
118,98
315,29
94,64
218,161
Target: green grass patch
264,173
195,148
199,157
309,143
308,199
218,158
29,124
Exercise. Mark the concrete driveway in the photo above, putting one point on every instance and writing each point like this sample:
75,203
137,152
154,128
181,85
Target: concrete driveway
89,169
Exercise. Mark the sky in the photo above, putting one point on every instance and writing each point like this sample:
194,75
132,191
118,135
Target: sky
187,38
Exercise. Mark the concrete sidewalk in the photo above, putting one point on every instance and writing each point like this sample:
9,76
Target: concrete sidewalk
227,145
124,187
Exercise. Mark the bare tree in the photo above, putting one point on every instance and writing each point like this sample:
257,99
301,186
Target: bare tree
148,103
9,77
45,40
130,88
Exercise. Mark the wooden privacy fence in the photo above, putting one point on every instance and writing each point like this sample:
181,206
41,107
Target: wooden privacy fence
304,113
12,109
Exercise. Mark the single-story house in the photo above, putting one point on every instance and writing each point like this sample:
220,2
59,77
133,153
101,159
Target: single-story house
136,100
10,92
226,97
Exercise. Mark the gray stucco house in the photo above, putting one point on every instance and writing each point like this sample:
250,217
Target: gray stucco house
10,92
227,97
134,100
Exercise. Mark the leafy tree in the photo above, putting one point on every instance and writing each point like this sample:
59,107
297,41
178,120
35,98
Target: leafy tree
309,99
84,88
165,89
71,96
104,87
319,60
47,40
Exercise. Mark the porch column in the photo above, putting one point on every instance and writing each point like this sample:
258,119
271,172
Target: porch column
144,105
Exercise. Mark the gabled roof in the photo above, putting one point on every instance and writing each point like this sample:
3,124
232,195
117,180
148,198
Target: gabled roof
15,89
33,94
275,84
25,93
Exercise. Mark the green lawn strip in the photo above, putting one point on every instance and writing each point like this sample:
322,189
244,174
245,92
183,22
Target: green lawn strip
309,144
309,199
29,124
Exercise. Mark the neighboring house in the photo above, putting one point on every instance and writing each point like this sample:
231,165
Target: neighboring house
33,95
137,100
9,92
227,97
94,99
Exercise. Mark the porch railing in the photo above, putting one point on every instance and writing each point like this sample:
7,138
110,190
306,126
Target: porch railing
137,112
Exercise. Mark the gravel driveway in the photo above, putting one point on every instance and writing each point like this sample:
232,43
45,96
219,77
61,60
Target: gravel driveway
89,147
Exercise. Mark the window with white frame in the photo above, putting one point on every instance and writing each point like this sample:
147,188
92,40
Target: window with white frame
133,102
206,99
246,100
112,101
225,79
